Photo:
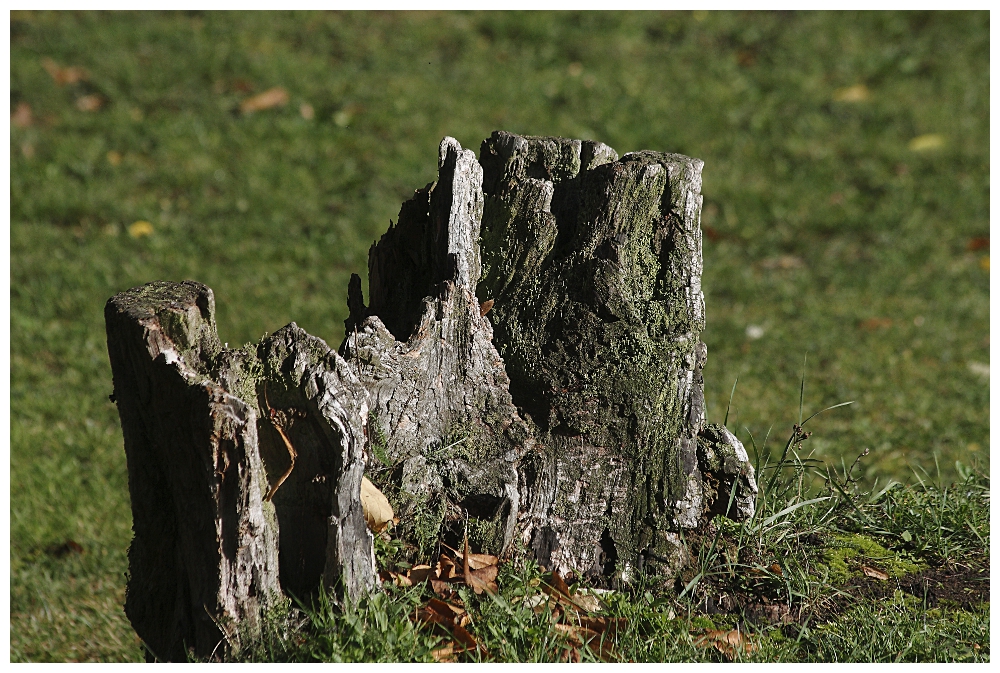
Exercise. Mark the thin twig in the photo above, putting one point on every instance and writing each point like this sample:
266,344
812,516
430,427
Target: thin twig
272,415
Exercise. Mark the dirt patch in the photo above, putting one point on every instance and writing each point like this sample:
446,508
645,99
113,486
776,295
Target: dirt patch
961,586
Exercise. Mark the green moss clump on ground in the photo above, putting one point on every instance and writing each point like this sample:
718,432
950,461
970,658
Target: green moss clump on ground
846,553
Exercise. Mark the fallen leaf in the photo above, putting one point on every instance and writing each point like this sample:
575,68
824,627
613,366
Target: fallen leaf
378,511
140,228
928,141
89,103
420,573
401,580
444,654
783,262
446,568
872,324
70,75
588,602
578,635
478,580
874,573
449,611
746,58
608,625
977,243
274,97
852,94
558,583
727,642
64,549
980,368
21,117
536,602
442,589
776,569
476,561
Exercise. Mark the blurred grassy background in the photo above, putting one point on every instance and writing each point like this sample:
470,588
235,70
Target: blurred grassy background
846,218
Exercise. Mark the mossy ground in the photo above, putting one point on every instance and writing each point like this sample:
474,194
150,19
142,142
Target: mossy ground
846,217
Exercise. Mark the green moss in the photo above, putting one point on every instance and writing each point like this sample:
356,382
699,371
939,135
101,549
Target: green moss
846,553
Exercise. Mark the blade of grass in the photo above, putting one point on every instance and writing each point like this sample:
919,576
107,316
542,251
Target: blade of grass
729,406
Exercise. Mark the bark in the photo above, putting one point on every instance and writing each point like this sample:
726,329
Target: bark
206,557
528,371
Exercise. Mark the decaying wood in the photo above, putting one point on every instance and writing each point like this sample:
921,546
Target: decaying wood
209,551
528,368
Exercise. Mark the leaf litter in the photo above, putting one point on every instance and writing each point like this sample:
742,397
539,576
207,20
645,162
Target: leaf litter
571,613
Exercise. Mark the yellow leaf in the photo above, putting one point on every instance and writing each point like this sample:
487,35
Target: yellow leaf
378,511
140,229
852,94
263,101
928,141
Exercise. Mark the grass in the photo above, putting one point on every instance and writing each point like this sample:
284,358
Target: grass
780,559
846,199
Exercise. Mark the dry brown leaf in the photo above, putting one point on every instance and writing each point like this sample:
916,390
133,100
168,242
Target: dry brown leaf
874,573
447,609
582,635
875,323
578,635
419,573
264,101
21,116
90,103
776,569
974,244
608,625
783,262
445,654
476,561
442,589
446,568
70,75
558,583
400,580
378,511
727,642
466,639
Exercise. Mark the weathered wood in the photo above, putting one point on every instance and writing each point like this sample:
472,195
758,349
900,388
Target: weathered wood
579,436
439,392
207,555
203,557
595,267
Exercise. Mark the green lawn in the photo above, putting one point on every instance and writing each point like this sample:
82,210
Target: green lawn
846,214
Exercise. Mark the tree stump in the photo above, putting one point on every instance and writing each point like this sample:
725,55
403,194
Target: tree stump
528,372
